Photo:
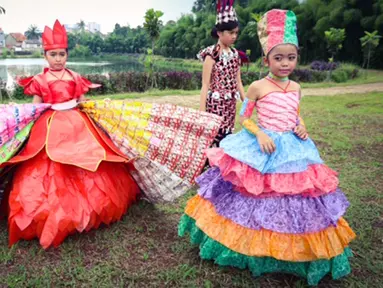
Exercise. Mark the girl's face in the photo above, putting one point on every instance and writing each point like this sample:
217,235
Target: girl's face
282,60
228,38
56,58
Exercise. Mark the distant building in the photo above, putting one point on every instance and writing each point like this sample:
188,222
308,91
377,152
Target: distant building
91,27
32,45
15,41
2,38
94,27
71,28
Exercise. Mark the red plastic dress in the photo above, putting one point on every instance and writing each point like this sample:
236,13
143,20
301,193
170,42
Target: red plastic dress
69,177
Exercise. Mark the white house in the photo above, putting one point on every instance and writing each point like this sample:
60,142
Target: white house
33,44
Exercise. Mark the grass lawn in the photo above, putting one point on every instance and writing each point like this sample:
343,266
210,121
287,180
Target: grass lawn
143,250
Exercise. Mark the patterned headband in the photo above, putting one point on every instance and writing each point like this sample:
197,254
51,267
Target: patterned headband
225,12
277,27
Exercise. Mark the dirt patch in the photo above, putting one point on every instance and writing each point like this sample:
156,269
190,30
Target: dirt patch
352,105
341,90
378,224
322,145
373,152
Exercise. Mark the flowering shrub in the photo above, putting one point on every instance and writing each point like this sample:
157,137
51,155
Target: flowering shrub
123,82
324,66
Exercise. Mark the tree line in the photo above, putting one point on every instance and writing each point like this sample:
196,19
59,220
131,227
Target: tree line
191,32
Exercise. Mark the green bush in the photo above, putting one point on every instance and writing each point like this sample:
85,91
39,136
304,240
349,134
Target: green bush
319,76
250,77
351,70
5,53
125,82
339,76
18,93
80,51
37,54
103,81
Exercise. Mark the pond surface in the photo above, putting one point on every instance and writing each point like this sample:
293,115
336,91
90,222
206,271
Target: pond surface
10,68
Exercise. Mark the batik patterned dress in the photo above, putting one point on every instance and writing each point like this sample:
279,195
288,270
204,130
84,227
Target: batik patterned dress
223,91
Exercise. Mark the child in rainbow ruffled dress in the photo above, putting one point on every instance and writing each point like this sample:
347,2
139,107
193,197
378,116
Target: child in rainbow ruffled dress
269,203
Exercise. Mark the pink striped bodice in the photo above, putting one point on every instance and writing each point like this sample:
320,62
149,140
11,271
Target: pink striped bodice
278,111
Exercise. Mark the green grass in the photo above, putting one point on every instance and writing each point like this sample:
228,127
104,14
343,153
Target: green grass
143,250
151,93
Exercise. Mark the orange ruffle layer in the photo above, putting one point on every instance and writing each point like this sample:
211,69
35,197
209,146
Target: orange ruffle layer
325,244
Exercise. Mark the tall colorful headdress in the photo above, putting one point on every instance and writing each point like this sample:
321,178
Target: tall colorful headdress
56,38
277,27
225,12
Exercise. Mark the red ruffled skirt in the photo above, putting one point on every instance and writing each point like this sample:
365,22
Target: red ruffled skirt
69,178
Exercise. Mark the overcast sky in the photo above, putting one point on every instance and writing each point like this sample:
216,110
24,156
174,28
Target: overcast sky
20,14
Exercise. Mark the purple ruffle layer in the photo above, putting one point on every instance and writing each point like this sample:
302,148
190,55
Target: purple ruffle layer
288,214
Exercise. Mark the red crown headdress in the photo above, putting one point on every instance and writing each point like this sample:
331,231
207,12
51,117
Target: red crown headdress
225,12
56,38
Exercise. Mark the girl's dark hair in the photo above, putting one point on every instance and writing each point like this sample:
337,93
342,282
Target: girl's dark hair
66,50
226,26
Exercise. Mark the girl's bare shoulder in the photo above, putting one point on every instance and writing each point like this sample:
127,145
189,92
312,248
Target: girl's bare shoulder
258,83
254,89
295,86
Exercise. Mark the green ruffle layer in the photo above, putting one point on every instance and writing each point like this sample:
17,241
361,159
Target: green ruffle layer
313,271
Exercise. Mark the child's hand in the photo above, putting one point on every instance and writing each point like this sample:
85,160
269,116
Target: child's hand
265,142
301,132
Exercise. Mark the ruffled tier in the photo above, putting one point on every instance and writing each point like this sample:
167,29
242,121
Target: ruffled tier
9,149
15,117
325,244
313,271
292,154
315,181
289,214
50,200
71,138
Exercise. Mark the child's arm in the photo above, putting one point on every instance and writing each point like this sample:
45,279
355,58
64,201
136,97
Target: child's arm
265,142
300,129
37,99
240,86
249,103
206,77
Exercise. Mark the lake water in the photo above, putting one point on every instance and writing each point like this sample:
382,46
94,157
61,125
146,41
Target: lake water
10,68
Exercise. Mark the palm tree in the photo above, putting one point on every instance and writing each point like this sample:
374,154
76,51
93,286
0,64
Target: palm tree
33,32
369,42
81,25
153,25
2,10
